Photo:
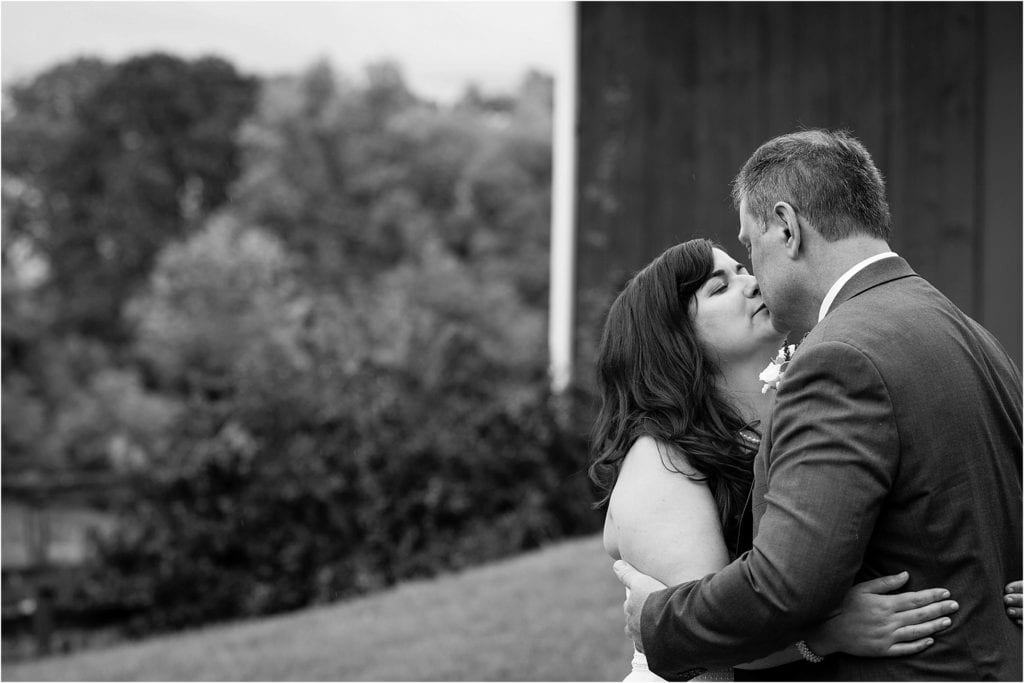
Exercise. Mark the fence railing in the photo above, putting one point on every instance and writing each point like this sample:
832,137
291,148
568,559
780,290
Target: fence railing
47,522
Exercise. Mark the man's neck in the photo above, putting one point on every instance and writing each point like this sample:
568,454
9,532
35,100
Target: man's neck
824,263
835,258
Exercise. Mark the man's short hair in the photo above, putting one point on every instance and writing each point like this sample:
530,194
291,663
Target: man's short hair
828,176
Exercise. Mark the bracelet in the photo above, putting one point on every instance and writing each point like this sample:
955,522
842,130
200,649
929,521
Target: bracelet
808,654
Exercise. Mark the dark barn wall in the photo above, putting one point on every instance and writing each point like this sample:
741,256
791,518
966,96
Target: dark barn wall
675,96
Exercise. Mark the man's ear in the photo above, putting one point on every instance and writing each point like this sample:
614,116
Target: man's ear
789,227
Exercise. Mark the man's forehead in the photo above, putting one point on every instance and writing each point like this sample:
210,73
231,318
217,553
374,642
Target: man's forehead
744,209
742,236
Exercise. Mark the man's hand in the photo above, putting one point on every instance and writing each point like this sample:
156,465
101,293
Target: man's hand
638,587
1013,598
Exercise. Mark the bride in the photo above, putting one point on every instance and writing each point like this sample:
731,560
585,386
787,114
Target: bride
678,366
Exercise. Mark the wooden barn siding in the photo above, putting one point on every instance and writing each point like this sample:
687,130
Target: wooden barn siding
675,96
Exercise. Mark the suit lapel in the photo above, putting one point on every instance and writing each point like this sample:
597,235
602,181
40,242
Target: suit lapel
878,273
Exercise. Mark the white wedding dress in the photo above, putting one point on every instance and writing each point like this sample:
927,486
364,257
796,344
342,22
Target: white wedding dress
641,672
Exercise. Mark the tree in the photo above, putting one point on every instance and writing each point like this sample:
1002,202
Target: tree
209,299
318,161
116,161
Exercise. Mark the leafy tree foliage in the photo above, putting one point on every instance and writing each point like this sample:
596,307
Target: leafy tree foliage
330,370
356,183
103,165
113,162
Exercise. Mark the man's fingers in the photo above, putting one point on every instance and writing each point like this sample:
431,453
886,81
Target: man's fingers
633,579
903,649
626,573
1014,600
884,584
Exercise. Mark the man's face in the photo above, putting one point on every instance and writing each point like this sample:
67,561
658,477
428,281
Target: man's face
763,259
751,238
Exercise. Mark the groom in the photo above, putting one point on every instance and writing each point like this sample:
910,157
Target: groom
895,442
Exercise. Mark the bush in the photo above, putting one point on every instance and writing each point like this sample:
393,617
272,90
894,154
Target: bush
416,485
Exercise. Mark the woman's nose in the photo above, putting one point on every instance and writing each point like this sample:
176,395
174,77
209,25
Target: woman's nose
751,288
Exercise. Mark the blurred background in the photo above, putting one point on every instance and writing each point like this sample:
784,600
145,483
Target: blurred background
275,298
300,301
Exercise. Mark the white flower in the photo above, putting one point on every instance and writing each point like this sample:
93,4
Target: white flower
776,370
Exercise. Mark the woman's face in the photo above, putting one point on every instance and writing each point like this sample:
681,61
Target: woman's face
729,315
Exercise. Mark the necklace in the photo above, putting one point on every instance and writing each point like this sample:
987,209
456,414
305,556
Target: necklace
754,440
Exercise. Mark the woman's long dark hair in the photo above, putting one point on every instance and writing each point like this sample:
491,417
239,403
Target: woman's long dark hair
655,379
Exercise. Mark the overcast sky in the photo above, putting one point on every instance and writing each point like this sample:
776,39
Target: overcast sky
440,45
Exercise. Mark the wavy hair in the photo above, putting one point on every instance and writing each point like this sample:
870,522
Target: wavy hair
656,379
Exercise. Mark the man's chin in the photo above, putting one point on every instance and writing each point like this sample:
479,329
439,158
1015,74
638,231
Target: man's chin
777,324
786,326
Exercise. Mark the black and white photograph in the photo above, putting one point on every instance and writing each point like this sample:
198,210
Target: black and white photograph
511,340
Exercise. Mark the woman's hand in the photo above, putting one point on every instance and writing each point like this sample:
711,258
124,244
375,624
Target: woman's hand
1013,600
873,624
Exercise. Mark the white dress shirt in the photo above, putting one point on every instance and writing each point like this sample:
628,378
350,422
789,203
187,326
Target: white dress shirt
845,277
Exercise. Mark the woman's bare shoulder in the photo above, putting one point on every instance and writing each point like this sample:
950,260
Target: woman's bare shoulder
662,515
649,457
656,474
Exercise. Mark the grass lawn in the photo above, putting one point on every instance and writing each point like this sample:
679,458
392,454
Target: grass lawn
551,615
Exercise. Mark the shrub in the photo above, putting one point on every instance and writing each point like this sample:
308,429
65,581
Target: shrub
418,484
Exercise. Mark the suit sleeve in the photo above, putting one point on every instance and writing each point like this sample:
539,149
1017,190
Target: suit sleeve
834,455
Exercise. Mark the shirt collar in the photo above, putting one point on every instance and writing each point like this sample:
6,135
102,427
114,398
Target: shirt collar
845,277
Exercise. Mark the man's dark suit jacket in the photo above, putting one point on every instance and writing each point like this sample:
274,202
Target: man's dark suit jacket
895,444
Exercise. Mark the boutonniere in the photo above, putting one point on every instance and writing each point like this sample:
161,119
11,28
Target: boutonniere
776,370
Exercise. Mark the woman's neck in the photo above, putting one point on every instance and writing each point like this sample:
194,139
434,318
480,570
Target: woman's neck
742,387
